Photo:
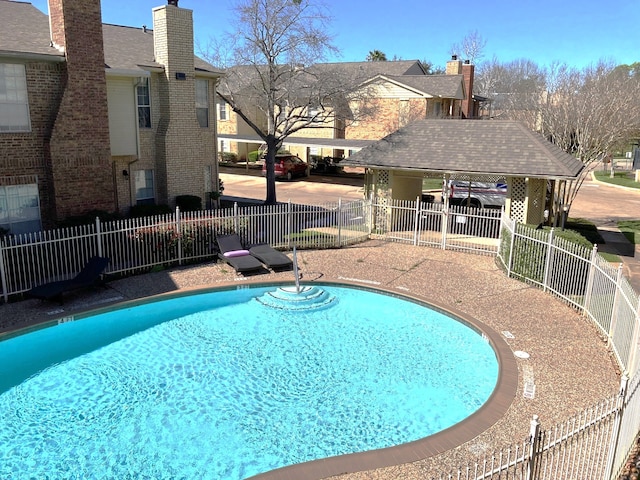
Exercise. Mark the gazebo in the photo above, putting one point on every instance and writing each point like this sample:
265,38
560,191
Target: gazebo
536,171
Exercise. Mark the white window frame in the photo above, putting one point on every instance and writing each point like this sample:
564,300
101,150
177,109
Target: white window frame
14,99
144,184
20,205
202,102
222,111
143,102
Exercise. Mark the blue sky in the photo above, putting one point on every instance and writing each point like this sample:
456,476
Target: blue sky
575,32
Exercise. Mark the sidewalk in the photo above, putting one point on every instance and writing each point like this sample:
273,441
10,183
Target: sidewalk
615,242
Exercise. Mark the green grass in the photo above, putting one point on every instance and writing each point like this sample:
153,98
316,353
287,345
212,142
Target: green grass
432,184
581,230
586,229
624,179
631,230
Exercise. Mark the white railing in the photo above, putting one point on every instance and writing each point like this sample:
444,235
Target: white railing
432,224
594,447
139,244
582,278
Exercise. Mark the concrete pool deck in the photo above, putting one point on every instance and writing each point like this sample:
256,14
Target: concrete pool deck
568,363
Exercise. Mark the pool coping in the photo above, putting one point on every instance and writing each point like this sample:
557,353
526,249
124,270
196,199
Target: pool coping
487,415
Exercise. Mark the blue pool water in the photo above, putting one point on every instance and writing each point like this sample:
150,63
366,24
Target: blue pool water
226,385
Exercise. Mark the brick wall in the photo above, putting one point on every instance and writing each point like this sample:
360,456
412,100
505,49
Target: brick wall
24,153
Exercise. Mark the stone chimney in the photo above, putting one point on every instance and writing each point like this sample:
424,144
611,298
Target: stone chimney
79,152
454,66
467,79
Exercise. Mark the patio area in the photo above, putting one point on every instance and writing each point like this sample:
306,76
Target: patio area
569,363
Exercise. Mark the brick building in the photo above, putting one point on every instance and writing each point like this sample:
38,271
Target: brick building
399,92
100,117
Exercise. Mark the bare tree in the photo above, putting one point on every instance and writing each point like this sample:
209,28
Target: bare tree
273,80
590,113
514,89
471,47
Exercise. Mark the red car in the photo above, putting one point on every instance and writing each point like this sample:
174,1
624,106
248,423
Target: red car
288,166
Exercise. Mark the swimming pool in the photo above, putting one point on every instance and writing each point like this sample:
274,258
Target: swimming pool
229,384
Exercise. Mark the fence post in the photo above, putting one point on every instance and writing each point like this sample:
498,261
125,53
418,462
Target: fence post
339,222
3,275
635,344
547,261
179,235
236,218
416,223
99,237
444,223
289,221
614,310
370,215
590,280
512,228
534,441
617,423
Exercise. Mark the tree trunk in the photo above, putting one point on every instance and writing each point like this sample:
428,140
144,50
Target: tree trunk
272,149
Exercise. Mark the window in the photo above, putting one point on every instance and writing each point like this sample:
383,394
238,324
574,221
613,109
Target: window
20,208
312,113
144,187
14,101
202,101
224,146
222,111
144,104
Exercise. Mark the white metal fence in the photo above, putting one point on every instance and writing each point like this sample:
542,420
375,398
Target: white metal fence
593,445
135,245
432,224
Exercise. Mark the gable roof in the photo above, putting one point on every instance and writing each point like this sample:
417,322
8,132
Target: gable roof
26,34
371,69
25,31
487,147
439,86
443,86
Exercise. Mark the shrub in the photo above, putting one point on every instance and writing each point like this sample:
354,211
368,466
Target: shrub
137,211
254,156
189,203
87,218
228,157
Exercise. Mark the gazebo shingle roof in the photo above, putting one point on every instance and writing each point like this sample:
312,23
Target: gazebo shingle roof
488,147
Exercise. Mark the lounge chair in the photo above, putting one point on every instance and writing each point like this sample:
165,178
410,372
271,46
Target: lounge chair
271,257
233,253
89,276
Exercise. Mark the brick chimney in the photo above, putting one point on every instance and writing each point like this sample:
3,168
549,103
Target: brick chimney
180,160
79,150
467,79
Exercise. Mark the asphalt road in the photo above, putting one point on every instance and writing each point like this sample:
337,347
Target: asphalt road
315,189
600,203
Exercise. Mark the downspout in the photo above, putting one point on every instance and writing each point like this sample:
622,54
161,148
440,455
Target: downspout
215,181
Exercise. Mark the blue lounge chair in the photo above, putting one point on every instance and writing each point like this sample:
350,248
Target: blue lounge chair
89,276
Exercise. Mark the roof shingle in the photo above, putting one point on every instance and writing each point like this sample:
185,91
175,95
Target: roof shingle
489,147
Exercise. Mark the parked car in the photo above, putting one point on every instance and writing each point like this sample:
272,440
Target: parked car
288,166
476,194
326,165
